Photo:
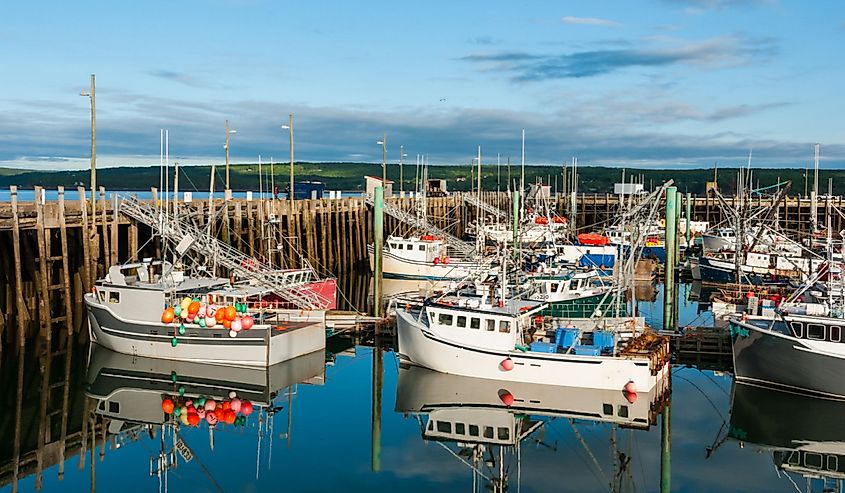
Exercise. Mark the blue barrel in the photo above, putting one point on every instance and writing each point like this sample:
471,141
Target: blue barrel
603,339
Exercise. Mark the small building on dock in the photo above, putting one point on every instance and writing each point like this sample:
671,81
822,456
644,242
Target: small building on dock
306,190
376,181
436,188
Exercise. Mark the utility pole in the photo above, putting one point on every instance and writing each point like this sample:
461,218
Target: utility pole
401,175
383,143
228,192
92,96
289,128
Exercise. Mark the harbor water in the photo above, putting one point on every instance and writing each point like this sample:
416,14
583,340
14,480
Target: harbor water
346,428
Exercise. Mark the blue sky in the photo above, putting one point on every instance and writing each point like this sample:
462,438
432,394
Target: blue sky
665,83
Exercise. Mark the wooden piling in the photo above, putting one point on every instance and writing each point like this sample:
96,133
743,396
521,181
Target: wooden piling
65,263
16,246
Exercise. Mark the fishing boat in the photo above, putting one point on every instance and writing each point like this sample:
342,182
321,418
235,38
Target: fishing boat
152,309
573,293
420,258
475,336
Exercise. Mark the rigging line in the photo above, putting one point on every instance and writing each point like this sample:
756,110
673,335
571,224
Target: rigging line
705,396
463,460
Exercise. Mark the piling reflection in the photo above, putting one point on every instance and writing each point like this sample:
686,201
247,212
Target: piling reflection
799,432
484,424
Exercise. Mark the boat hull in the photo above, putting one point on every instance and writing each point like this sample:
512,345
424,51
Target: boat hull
396,267
772,359
260,346
421,347
583,307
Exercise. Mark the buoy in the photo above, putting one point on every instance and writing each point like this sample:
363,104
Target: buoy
232,394
193,419
226,404
230,416
506,397
227,324
436,260
247,322
177,310
168,315
210,310
181,329
232,333
167,406
246,408
186,301
631,397
446,260
236,405
210,322
201,322
507,364
231,313
211,418
630,387
174,342
236,325
201,413
177,411
184,419
220,315
181,390
210,405
173,376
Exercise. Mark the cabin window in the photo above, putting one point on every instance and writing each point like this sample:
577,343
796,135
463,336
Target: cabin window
488,432
504,433
473,430
102,295
462,322
832,463
623,412
460,429
553,287
573,284
607,409
797,328
410,246
431,425
815,331
835,333
114,297
504,326
392,245
421,248
474,323
400,246
114,407
491,325
445,319
813,460
444,427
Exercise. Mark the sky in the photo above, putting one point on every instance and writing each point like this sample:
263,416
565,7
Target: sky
651,83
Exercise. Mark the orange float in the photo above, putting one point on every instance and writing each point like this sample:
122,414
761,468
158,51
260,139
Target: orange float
168,315
194,307
231,313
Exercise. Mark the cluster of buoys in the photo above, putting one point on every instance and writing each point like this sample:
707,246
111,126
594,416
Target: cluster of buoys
559,220
193,311
541,220
442,260
428,238
192,412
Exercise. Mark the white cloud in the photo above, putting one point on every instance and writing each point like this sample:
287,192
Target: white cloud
589,21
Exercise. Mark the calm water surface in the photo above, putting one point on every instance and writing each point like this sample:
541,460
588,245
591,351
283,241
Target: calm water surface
323,435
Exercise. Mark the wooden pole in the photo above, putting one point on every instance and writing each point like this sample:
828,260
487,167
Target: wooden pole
44,297
16,246
65,263
88,280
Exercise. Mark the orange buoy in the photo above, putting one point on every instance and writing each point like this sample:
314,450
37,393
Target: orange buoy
446,260
168,315
220,315
167,406
231,313
194,308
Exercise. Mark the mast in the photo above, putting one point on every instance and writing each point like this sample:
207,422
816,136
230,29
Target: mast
479,237
814,195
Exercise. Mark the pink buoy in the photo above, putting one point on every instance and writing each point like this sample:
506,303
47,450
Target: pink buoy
236,325
210,405
506,397
201,413
247,322
246,408
235,405
507,364
631,397
210,322
211,418
630,387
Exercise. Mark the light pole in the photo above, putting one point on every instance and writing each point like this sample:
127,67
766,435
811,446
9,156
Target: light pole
92,96
289,128
383,144
402,155
226,146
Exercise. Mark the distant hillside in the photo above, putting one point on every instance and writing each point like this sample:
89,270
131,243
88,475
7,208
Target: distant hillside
349,177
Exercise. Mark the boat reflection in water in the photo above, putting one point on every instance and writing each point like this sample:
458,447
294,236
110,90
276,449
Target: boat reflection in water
803,433
131,394
488,419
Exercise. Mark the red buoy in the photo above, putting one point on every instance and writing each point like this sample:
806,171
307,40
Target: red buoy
246,408
506,397
631,397
630,387
507,364
167,406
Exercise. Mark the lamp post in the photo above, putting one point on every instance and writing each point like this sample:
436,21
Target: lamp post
92,96
402,156
226,146
289,128
383,144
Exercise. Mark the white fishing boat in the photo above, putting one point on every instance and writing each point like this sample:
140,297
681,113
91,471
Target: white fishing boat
478,337
134,311
420,258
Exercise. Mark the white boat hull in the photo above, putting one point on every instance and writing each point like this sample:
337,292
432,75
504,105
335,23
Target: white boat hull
420,346
396,267
261,346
